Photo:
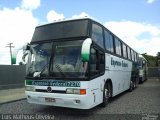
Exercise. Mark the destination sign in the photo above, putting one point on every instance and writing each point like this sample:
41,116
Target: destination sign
53,83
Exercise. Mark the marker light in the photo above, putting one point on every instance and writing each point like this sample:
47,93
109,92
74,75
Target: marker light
30,88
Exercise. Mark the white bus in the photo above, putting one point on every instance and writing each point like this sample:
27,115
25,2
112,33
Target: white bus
78,64
143,69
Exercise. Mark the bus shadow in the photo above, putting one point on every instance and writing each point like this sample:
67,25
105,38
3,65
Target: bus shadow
115,98
64,113
68,113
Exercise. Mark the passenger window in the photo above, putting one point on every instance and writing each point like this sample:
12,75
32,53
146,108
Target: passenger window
135,57
97,34
129,53
124,51
93,62
111,41
97,62
101,62
108,41
132,55
118,46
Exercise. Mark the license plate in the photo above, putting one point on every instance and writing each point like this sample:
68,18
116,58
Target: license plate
50,100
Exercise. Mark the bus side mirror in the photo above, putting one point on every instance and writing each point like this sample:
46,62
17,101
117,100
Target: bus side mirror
85,51
15,52
26,47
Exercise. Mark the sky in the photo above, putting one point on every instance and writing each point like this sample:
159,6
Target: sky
136,22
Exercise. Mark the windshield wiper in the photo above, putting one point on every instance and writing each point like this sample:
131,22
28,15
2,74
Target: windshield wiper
37,74
60,70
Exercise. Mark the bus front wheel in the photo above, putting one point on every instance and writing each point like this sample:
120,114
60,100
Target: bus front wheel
106,94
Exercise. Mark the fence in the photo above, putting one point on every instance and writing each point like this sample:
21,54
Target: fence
12,76
154,72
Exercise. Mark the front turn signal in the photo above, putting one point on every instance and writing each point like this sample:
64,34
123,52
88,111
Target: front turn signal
82,91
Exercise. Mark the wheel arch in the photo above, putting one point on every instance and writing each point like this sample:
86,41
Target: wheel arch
109,81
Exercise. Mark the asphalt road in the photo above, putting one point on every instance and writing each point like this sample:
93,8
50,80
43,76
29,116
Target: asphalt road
141,104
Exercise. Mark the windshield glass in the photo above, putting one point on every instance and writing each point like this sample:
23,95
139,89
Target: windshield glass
67,60
57,60
39,56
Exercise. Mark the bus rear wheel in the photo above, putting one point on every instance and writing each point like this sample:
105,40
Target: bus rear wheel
135,83
131,86
106,94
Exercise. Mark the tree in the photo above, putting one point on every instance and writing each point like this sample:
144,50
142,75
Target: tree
158,59
151,60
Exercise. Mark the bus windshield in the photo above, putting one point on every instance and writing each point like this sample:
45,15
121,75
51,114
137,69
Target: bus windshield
56,59
38,59
67,60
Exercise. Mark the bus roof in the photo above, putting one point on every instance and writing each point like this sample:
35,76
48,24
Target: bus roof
65,20
82,32
61,30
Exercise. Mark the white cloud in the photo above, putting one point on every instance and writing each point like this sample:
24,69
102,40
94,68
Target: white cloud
150,1
30,4
17,26
81,15
145,38
52,16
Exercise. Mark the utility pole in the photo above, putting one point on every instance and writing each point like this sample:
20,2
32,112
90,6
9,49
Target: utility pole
10,47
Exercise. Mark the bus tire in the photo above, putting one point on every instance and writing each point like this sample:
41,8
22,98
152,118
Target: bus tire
134,84
131,86
106,94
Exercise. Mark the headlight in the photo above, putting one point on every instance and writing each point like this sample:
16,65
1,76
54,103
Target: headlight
76,91
30,88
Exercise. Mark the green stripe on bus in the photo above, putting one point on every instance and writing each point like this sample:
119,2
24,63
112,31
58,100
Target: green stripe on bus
85,57
28,82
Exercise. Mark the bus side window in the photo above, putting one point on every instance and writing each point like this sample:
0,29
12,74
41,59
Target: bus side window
118,46
124,50
111,41
97,62
132,55
135,57
97,34
129,53
102,62
93,62
108,41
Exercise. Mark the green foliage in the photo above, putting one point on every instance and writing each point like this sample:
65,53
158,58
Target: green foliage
153,61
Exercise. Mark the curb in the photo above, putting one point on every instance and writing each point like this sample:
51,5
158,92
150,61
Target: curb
12,101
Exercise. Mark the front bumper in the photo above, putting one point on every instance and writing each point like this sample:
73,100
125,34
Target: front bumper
61,100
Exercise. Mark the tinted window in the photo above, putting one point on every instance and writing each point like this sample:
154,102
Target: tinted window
61,30
124,51
129,53
135,56
108,41
132,55
97,34
97,62
118,46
